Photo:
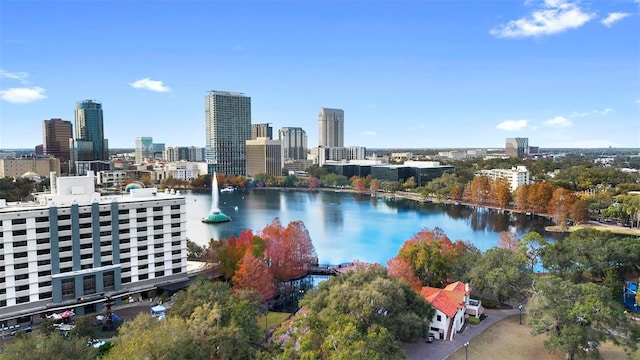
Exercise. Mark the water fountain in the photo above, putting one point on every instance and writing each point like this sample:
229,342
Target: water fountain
216,216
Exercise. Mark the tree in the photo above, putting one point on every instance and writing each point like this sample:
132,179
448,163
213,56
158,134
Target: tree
313,183
579,211
522,198
430,254
37,346
359,184
574,315
501,273
530,247
362,310
254,274
410,183
374,185
194,251
480,189
509,241
501,191
400,268
289,250
560,205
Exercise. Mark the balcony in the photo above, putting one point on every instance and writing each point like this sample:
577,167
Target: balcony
474,308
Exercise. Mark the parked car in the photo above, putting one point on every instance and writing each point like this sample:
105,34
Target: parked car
24,329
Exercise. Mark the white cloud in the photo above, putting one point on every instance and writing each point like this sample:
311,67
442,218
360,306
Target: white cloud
369,133
20,76
148,84
511,125
555,17
614,17
558,121
603,111
23,95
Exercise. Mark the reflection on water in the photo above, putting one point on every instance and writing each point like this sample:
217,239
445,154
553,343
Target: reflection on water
346,227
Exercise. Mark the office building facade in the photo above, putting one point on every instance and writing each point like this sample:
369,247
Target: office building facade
331,127
73,249
144,149
294,143
261,131
517,147
264,157
228,127
56,134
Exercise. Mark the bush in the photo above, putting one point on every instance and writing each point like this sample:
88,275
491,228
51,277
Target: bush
473,320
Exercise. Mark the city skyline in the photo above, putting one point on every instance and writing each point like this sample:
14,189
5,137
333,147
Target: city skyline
431,74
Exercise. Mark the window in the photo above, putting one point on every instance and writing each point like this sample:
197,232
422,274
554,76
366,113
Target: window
175,234
44,273
105,213
44,284
175,216
89,284
177,270
86,256
123,212
64,228
18,221
85,215
22,299
157,218
158,246
106,253
175,207
143,276
143,257
19,232
65,259
108,281
19,243
142,219
142,211
44,262
22,287
175,225
42,219
143,248
143,266
105,223
106,263
158,227
42,241
64,217
157,208
175,243
86,246
124,231
123,221
21,266
45,295
159,273
20,255
85,226
158,255
68,289
22,277
126,280
176,261
158,236
439,317
65,248
42,230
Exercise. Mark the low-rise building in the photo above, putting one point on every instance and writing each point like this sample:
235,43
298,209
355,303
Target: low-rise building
452,305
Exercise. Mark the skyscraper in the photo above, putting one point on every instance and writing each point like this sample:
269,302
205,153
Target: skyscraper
144,149
56,134
517,147
294,143
228,127
331,127
90,142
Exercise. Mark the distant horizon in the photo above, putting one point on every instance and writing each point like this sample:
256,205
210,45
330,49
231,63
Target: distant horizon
422,74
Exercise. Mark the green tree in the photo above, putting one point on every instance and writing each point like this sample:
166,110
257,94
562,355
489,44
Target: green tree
501,273
361,310
574,315
194,251
37,346
530,246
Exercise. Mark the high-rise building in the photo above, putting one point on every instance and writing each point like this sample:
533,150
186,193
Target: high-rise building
90,131
331,127
263,157
261,131
294,143
517,147
228,127
56,134
144,149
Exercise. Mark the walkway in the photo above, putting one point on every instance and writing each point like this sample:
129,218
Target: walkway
441,349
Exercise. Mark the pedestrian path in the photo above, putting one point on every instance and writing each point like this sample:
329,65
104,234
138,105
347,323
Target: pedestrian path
441,349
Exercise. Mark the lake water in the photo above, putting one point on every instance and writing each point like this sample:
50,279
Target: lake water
346,227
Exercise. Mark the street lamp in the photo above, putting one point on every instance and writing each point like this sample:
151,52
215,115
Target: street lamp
466,350
520,308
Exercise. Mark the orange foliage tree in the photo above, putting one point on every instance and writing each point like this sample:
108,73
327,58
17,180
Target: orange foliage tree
289,250
501,192
359,184
254,274
560,205
430,254
400,268
509,241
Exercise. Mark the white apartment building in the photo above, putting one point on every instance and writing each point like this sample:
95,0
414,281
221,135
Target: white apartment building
516,176
72,248
340,153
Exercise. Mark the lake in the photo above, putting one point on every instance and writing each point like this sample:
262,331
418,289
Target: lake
345,226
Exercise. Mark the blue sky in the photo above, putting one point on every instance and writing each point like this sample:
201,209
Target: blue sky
440,73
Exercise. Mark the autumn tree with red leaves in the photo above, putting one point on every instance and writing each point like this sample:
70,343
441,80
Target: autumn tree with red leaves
430,255
254,274
289,250
400,268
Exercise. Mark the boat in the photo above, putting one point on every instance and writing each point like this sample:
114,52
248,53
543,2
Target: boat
227,189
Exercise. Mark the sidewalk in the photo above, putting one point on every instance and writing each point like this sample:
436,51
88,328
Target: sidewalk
441,349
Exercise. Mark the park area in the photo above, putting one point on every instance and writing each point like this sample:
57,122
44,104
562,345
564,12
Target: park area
508,339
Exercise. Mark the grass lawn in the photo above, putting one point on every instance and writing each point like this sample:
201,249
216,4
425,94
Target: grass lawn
613,229
273,319
509,340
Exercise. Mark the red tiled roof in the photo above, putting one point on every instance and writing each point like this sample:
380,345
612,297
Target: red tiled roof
447,300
